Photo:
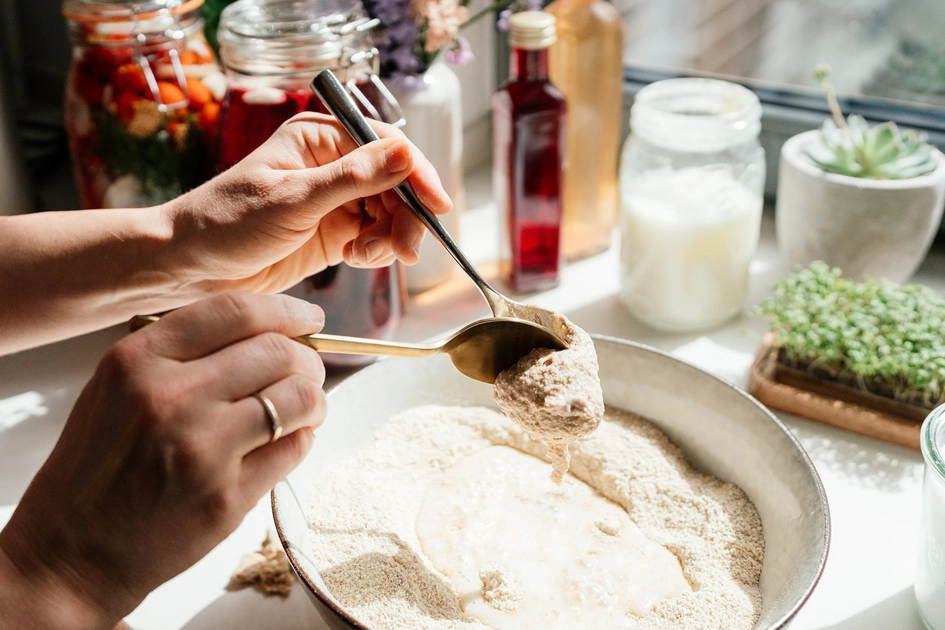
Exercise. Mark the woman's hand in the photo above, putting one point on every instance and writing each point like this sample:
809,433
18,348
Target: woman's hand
306,199
164,453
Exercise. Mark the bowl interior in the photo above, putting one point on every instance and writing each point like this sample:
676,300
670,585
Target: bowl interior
722,430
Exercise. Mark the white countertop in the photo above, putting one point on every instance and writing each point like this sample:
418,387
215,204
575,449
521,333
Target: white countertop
873,488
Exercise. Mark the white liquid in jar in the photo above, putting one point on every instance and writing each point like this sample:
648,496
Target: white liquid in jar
526,554
688,237
930,572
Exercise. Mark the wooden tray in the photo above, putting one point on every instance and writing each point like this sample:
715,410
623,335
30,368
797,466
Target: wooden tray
832,403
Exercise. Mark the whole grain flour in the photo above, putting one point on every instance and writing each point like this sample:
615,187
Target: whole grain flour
364,521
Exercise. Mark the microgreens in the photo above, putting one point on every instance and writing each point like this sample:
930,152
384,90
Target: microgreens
878,336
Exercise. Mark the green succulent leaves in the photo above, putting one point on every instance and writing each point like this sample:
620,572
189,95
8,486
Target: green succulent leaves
880,152
851,147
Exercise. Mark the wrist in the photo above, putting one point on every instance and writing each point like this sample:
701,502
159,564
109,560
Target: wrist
187,258
33,598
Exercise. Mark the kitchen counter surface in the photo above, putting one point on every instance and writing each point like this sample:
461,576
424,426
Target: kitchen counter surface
873,488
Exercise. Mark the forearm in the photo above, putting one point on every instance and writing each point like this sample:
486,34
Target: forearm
68,273
34,602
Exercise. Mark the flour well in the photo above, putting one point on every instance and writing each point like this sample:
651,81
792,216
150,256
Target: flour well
364,527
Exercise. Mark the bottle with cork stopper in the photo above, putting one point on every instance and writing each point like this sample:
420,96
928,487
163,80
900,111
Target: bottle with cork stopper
529,122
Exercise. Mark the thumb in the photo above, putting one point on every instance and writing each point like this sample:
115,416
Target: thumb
369,170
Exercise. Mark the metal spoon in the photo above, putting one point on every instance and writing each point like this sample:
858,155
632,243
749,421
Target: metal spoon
336,99
480,350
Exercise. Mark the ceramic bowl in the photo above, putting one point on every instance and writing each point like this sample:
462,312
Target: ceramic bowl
722,430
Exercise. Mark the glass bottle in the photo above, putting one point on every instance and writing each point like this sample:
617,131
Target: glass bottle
691,185
271,52
142,100
528,142
586,64
930,571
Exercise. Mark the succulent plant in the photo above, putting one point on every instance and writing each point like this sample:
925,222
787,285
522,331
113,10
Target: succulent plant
851,147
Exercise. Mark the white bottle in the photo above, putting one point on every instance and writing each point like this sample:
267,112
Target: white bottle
691,187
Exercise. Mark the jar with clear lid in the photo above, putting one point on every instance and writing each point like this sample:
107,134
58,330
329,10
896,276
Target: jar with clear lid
692,177
142,101
271,52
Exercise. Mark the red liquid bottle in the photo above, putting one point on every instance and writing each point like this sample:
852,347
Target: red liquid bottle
529,127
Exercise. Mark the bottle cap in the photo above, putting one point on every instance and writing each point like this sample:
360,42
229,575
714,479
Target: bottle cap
532,30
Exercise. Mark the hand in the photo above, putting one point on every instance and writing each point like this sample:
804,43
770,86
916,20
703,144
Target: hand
164,453
306,199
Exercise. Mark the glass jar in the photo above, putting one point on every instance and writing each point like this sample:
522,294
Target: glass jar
271,51
691,186
142,100
930,575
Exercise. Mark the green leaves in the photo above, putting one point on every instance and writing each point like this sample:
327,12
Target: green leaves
850,147
875,335
880,152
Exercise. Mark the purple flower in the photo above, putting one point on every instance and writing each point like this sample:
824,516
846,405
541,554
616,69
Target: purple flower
503,22
461,54
517,5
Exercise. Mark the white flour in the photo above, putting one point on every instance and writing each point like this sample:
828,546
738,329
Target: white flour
366,547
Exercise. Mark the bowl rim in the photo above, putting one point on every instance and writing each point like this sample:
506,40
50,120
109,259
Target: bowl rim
777,625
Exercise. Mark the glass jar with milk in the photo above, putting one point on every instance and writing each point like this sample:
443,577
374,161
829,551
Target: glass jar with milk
930,575
691,185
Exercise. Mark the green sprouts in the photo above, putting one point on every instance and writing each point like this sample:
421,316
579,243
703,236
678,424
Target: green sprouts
876,335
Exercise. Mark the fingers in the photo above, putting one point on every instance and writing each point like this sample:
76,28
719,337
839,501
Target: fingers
266,465
272,357
299,404
202,328
366,171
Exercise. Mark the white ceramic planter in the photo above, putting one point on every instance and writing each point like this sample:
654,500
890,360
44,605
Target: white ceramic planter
866,227
434,123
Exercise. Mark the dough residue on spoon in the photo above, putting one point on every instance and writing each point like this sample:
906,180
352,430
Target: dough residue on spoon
555,396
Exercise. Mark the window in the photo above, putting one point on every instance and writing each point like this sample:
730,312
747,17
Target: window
887,57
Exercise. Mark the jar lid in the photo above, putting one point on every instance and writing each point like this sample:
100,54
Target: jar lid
125,10
257,37
532,30
693,114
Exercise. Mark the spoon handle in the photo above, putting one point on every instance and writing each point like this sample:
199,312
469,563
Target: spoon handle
358,345
336,99
337,343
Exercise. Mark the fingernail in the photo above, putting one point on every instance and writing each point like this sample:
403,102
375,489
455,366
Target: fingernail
373,249
316,314
397,156
417,243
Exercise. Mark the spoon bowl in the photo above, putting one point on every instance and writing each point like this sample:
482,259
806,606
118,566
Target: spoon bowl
480,350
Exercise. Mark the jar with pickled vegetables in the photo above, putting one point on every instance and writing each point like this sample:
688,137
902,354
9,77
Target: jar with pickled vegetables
271,52
143,100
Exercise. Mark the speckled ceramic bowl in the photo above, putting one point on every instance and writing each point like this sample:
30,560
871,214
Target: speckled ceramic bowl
722,430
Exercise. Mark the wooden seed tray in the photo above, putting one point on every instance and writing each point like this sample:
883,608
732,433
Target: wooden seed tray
800,394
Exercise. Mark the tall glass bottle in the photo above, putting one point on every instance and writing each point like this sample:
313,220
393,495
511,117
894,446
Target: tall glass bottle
586,64
528,141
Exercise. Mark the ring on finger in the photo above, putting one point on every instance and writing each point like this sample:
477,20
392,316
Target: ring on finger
272,414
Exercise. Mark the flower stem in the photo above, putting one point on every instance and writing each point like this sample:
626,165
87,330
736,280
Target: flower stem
495,6
822,72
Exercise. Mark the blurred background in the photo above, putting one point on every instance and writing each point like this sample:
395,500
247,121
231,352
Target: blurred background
887,58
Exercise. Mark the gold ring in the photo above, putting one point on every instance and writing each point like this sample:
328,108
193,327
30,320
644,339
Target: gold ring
272,414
